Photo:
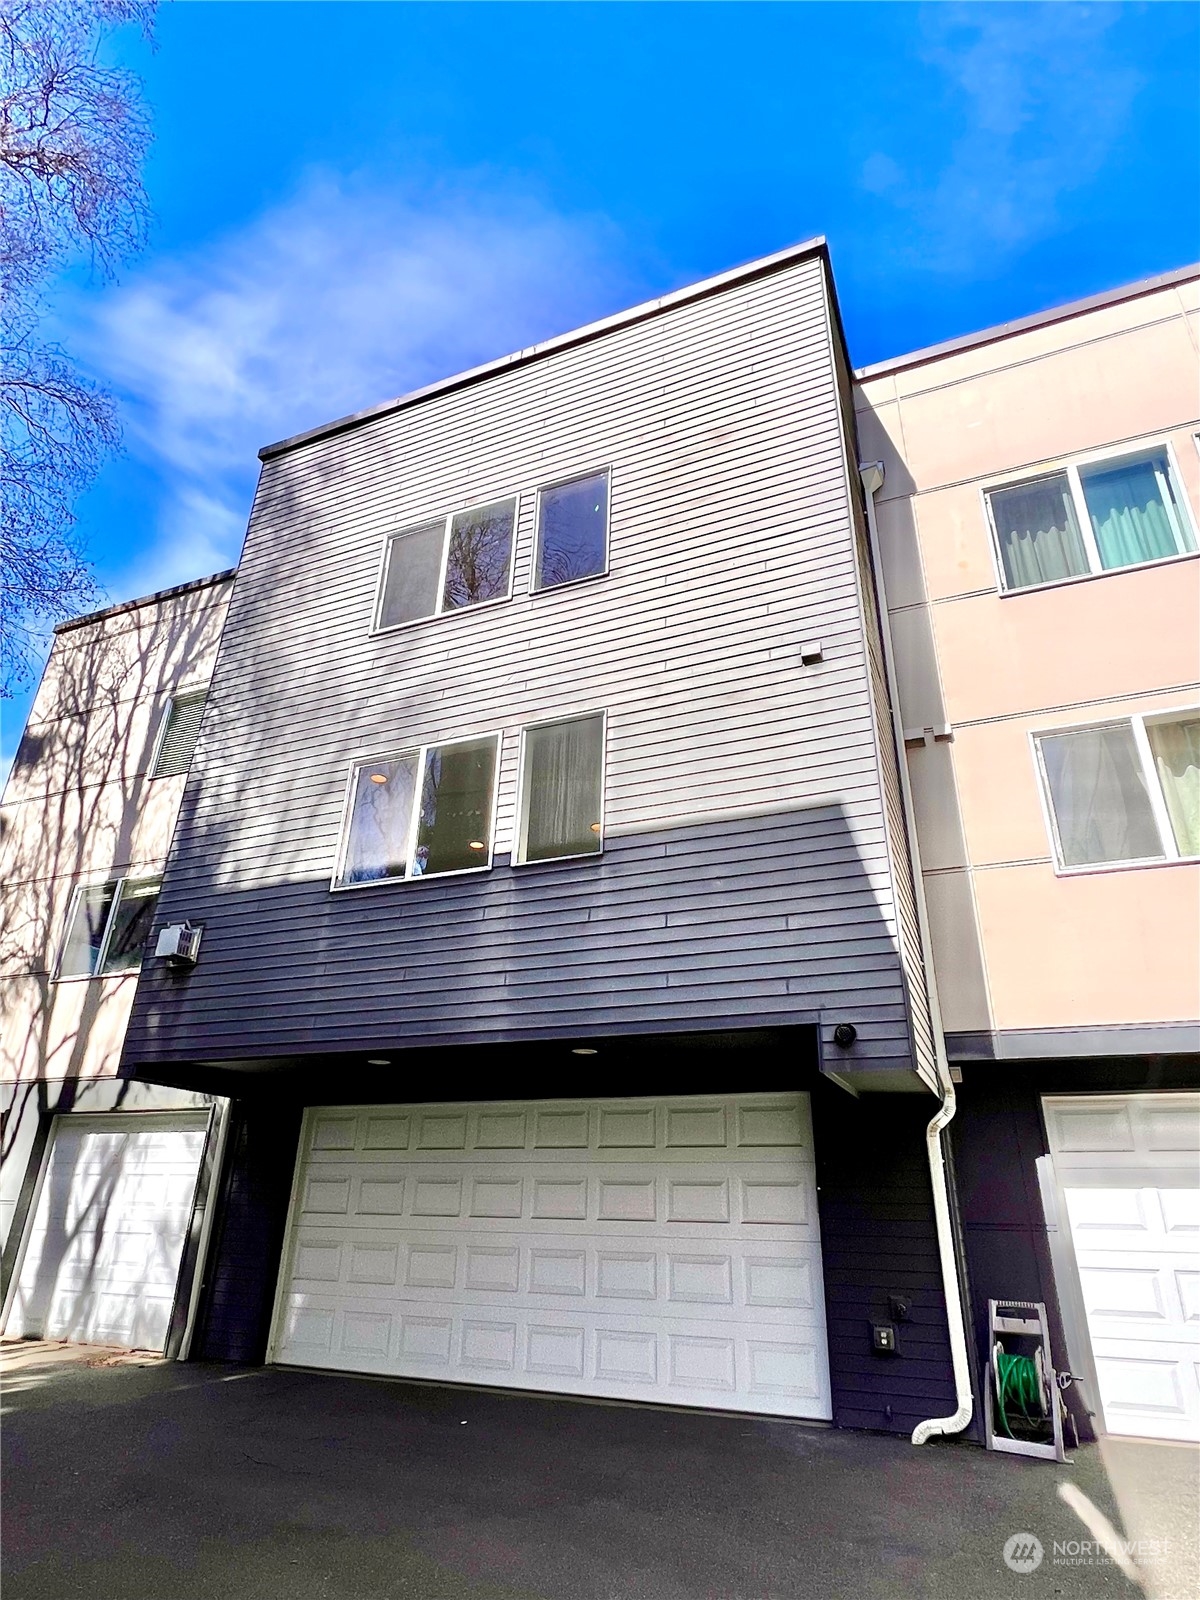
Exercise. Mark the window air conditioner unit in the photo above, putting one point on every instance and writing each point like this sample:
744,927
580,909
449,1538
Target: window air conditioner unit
180,944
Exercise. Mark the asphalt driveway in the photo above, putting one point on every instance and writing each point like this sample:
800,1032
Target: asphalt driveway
191,1482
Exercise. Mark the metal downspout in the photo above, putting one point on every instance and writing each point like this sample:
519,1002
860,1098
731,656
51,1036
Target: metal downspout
871,474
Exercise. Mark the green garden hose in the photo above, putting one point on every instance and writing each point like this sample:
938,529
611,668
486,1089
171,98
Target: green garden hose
1019,1384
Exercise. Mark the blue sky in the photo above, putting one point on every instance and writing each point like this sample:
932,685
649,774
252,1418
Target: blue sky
355,198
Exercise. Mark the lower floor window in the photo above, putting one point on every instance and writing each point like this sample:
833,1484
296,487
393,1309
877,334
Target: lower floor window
1126,790
107,927
420,812
561,789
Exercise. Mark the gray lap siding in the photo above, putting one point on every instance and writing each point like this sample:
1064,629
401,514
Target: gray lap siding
746,873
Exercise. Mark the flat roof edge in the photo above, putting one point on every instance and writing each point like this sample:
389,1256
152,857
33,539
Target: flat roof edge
1038,319
760,267
156,598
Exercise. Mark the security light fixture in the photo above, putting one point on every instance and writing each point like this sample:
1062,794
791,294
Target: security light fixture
476,844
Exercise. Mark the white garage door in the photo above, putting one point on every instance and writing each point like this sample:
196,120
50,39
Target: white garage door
1128,1174
102,1252
656,1250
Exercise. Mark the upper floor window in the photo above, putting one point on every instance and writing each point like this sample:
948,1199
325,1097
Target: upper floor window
561,789
1090,518
178,734
445,565
107,927
572,531
420,813
1124,791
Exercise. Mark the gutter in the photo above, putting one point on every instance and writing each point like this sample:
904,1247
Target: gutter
871,474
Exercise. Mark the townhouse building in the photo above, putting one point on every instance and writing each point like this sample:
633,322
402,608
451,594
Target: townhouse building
642,781
1037,526
559,948
103,1179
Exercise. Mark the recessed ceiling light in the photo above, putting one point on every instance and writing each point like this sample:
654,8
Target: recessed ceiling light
379,777
379,1061
582,1050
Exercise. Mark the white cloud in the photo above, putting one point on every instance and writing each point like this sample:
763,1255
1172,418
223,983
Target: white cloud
1043,96
341,297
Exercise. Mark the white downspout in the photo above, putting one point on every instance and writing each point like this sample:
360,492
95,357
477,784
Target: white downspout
872,481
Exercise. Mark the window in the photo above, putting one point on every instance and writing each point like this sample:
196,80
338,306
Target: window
449,564
107,928
572,536
1089,518
1124,791
420,813
561,789
178,734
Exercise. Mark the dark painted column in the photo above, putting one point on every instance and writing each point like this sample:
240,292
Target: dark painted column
879,1243
243,1263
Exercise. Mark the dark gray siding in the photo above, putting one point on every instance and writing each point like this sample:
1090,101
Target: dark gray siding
746,874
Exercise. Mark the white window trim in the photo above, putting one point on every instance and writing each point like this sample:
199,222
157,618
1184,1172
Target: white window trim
1184,524
561,483
1139,720
379,628
520,840
356,766
184,692
137,880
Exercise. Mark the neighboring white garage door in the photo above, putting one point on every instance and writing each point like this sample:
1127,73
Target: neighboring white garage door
102,1252
1128,1175
655,1250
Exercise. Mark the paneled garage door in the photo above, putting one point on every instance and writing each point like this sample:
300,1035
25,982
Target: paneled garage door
657,1250
1128,1175
102,1252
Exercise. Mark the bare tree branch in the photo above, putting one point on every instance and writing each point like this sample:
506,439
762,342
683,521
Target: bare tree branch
73,136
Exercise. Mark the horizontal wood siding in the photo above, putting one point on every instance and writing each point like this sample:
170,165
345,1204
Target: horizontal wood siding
746,873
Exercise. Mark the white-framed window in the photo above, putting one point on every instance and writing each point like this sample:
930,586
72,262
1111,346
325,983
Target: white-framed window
572,530
107,927
1096,514
1123,792
177,733
447,564
560,811
420,813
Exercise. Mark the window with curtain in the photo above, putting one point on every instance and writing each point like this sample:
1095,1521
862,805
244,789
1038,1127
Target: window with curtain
180,731
561,788
420,813
1124,791
107,928
1037,532
448,564
572,536
1088,519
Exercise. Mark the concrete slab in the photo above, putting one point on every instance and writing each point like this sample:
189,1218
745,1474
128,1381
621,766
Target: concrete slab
196,1482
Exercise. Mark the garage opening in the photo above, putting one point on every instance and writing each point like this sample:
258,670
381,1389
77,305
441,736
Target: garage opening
663,1250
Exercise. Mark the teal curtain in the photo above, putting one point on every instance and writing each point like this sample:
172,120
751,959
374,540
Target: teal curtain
1038,535
1130,519
1176,747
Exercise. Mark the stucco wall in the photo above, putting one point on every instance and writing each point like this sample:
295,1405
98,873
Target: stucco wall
1018,945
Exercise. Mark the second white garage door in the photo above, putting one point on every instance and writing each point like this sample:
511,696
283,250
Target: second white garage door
658,1250
101,1254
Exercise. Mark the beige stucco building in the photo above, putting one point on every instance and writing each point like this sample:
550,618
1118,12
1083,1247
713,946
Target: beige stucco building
1037,534
86,823
1034,935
